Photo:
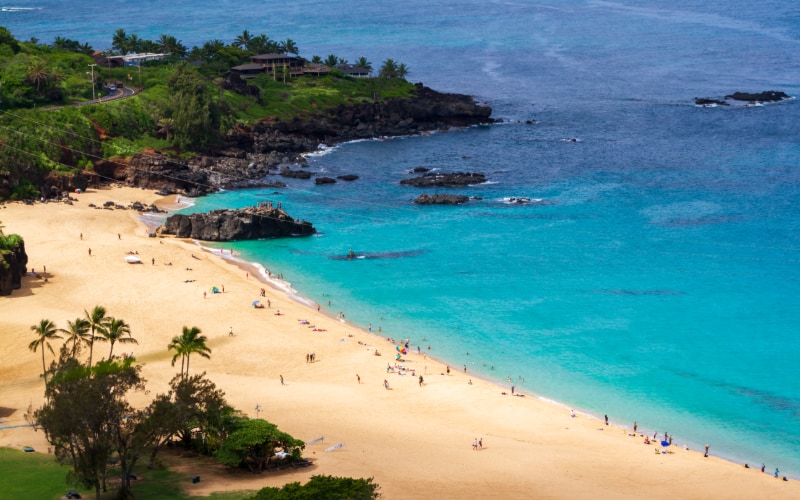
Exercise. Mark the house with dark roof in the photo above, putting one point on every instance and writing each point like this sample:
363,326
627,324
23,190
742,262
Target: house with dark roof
353,70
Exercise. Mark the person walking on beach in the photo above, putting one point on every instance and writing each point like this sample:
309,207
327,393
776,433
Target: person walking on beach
512,390
475,445
358,377
230,333
90,252
635,425
282,380
448,370
606,419
480,443
385,384
706,455
776,472
763,467
421,380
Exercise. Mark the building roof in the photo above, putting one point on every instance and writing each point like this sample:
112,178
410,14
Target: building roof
273,57
249,67
352,69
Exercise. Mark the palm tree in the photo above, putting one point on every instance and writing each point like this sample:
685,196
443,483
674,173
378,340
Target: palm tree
364,63
165,126
134,43
316,60
189,342
119,42
244,40
114,331
389,69
288,47
45,332
402,71
331,61
97,319
77,333
37,73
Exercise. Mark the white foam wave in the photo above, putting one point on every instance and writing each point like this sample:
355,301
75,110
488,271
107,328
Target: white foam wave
18,9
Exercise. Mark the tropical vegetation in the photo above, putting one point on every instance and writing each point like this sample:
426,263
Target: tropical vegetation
95,430
186,102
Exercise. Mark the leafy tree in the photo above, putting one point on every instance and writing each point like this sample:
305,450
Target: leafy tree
388,69
77,332
45,332
88,420
402,71
323,488
193,404
114,331
188,343
7,39
97,319
134,43
198,117
254,443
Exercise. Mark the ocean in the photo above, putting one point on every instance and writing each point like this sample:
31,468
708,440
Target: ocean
654,275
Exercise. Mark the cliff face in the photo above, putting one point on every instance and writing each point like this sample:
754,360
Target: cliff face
251,153
429,110
230,225
13,262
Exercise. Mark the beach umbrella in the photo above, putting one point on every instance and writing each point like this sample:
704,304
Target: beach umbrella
256,302
401,349
664,443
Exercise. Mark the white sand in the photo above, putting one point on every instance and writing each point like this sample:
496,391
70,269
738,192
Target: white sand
415,441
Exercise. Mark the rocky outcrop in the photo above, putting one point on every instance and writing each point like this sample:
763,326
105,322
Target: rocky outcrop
768,96
441,199
347,177
264,221
324,180
13,262
454,179
427,110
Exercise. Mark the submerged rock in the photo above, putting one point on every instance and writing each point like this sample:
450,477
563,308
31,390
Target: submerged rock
455,179
441,199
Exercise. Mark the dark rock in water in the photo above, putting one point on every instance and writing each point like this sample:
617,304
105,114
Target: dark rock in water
455,179
12,265
441,199
249,223
295,174
420,170
705,101
325,180
347,177
768,96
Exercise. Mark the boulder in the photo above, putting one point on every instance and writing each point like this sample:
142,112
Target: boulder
13,262
325,180
263,221
347,177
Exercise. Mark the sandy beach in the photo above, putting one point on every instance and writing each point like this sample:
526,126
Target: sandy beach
415,440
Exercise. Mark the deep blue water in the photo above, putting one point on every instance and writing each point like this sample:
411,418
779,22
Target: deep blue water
657,279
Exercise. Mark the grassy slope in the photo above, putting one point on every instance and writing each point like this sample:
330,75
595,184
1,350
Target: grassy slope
35,475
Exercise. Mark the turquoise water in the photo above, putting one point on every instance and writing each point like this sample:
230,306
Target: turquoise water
656,279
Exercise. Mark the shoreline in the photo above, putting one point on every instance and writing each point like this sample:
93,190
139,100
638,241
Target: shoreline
415,432
286,288
259,269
